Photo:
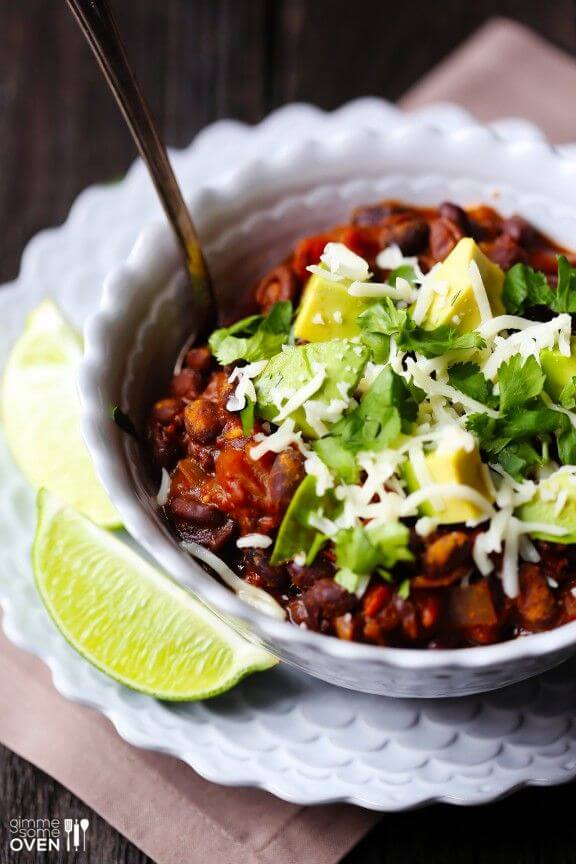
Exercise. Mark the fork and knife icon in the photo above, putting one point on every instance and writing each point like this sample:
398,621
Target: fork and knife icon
73,827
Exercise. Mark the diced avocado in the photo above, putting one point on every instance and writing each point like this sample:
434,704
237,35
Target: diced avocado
546,507
457,306
295,535
293,369
327,311
559,370
457,466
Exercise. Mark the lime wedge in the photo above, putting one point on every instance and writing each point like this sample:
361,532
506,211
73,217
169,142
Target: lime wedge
129,620
41,414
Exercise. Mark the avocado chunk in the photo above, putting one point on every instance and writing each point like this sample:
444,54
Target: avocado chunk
295,535
337,366
456,466
456,304
327,311
554,504
558,369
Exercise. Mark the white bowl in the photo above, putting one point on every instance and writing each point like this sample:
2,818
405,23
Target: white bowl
249,219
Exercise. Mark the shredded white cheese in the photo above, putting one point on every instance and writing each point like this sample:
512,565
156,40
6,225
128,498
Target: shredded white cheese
244,388
490,328
303,394
254,541
529,342
164,489
392,257
401,291
278,441
433,387
319,413
344,263
479,292
252,595
425,294
314,466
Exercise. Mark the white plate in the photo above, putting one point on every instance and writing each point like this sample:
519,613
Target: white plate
305,741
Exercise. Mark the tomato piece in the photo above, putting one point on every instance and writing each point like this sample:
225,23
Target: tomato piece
375,599
308,251
472,605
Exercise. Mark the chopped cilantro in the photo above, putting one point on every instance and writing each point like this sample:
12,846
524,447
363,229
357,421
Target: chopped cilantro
519,380
566,441
247,417
468,378
565,296
354,583
404,589
405,271
567,396
525,288
361,551
335,454
383,320
525,419
255,338
387,406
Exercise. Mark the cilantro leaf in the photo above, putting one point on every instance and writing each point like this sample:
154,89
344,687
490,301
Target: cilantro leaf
518,458
528,423
338,457
354,583
565,297
508,440
519,381
524,288
387,406
354,551
257,337
404,589
362,551
566,442
247,417
468,378
383,320
404,271
567,397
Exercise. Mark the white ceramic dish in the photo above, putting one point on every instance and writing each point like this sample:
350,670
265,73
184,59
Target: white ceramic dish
249,219
283,731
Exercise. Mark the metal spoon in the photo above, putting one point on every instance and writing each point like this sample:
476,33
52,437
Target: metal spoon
99,27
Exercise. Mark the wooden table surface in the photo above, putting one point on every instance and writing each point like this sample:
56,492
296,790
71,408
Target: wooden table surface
200,60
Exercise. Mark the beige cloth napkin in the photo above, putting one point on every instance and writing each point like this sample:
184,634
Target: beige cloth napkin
506,70
160,804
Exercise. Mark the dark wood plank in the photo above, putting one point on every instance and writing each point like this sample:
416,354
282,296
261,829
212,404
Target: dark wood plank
513,831
332,50
59,127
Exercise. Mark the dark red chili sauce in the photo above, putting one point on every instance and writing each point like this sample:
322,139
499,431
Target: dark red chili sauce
218,492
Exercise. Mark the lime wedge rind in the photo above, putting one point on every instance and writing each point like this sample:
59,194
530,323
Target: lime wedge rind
127,619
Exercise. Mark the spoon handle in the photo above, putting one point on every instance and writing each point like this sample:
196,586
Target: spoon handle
100,29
